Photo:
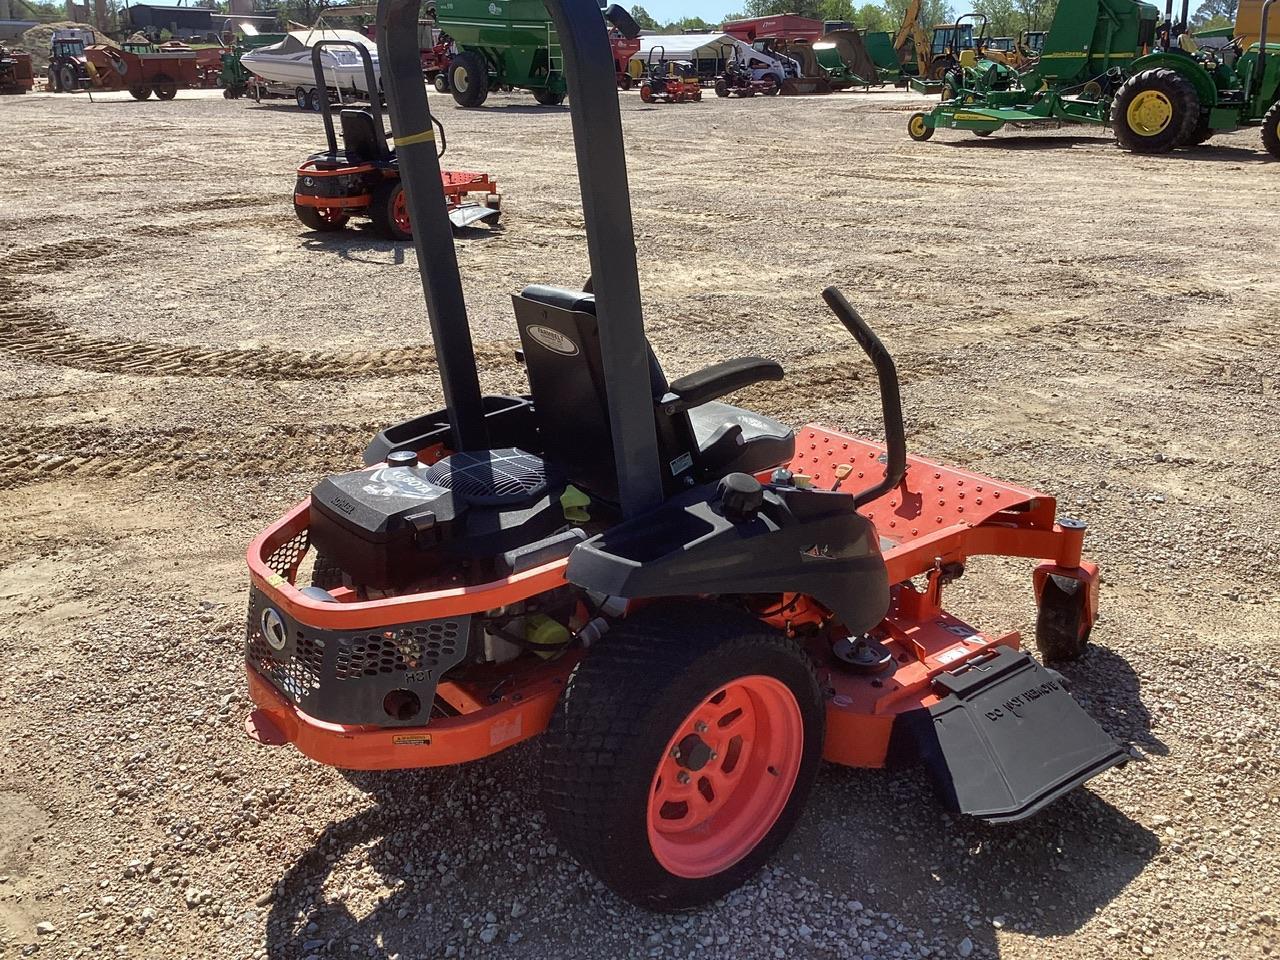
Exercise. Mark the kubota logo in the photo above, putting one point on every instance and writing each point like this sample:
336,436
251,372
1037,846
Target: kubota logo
553,340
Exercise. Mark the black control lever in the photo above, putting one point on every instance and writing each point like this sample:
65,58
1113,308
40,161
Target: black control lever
622,21
890,397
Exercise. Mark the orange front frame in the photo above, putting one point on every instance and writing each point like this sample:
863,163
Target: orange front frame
935,519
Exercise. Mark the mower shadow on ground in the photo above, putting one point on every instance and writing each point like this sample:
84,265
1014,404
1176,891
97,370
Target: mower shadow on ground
352,244
349,244
885,841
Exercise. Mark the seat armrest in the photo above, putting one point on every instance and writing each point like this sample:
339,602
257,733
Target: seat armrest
718,380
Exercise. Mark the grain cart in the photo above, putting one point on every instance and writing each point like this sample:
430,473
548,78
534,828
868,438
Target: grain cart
508,45
16,75
1181,96
1087,53
692,604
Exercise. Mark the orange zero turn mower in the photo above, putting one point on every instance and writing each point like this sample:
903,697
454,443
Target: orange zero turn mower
690,605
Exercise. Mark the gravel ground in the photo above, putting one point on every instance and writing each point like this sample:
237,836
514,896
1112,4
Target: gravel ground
180,360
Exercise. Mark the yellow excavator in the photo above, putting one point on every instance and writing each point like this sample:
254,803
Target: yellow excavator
933,56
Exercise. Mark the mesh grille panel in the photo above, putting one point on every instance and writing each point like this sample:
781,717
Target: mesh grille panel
494,475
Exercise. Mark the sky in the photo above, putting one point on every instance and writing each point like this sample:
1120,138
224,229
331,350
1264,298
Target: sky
666,10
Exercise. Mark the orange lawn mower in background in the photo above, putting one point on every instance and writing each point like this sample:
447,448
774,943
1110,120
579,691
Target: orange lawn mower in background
691,604
363,178
670,81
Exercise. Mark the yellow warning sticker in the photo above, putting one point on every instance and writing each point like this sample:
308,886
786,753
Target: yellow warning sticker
412,740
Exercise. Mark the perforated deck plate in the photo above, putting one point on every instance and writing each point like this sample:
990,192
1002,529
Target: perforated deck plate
1007,738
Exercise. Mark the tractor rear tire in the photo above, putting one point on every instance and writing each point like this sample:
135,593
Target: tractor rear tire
1062,630
68,79
166,89
1200,133
326,220
389,213
1271,130
55,81
469,79
682,752
1155,111
140,91
917,129
548,98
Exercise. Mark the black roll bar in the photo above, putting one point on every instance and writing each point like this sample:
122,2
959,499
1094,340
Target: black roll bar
322,89
606,206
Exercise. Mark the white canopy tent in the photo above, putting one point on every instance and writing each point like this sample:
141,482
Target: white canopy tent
689,46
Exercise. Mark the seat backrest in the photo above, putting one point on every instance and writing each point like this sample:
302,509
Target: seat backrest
360,137
561,340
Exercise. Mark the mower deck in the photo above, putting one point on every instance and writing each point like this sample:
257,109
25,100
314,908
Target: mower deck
929,526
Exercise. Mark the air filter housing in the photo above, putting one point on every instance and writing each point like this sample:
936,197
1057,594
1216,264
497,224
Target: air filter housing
492,478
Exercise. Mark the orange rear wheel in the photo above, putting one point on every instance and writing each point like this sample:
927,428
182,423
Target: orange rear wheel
683,751
725,776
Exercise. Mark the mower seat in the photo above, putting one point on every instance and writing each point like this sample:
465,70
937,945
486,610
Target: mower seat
360,138
699,439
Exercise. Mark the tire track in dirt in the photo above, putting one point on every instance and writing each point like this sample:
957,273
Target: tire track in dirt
36,335
40,455
51,257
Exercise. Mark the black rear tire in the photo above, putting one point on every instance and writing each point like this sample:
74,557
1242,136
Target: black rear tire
140,92
624,702
165,88
55,81
312,218
1200,133
1271,130
382,211
1166,86
441,82
68,80
1062,628
469,79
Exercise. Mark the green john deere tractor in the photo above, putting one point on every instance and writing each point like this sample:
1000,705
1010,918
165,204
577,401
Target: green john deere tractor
1087,54
1181,96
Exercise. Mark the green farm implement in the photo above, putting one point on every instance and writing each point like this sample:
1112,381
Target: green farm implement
1088,51
508,45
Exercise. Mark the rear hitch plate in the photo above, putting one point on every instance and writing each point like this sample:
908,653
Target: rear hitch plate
1007,738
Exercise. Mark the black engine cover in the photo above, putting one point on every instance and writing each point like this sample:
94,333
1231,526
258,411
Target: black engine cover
393,526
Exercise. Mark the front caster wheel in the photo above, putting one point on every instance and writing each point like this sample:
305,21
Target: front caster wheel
683,752
1063,623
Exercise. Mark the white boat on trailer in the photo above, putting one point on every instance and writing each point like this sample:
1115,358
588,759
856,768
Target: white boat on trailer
285,68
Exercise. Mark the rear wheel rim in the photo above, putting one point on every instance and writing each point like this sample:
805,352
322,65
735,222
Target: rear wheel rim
400,212
331,215
917,126
725,777
1149,113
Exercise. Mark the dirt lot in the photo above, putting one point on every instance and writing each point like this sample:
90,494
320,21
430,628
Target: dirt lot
180,360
